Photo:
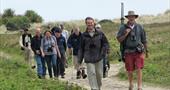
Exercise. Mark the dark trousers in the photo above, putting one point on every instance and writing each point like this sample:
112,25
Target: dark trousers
51,64
60,65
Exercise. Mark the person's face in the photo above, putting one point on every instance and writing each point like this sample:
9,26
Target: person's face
38,32
58,34
131,19
76,31
47,34
90,24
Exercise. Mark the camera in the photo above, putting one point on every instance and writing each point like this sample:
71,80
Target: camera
140,48
50,49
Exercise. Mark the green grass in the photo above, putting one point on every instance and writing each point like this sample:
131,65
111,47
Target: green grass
156,70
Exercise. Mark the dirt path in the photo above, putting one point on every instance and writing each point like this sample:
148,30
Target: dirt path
109,83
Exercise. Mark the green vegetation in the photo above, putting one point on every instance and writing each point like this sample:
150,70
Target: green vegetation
16,75
33,16
16,22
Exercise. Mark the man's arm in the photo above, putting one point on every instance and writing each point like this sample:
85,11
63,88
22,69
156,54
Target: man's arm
144,41
123,37
65,45
20,42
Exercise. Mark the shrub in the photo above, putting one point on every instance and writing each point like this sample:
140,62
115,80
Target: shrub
33,16
17,22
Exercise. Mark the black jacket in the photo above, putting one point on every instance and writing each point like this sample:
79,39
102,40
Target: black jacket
61,42
92,49
36,43
74,42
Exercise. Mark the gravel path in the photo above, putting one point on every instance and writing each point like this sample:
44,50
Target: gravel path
109,83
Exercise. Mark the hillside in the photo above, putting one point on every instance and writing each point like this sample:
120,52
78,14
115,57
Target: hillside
156,71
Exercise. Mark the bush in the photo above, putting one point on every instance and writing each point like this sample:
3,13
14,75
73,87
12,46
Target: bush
8,13
17,22
33,16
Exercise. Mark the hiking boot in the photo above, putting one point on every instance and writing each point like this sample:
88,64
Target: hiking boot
39,76
104,75
83,74
62,76
78,74
33,67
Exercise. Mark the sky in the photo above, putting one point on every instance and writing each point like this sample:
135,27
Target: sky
66,10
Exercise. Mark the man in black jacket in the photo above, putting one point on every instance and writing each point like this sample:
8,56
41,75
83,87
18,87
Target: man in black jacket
93,46
74,43
35,45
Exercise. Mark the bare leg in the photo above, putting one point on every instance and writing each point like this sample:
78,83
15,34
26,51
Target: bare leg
130,77
139,73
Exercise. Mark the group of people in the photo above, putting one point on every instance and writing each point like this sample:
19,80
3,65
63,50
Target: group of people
49,50
91,47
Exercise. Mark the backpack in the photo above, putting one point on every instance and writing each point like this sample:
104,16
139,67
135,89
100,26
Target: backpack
23,40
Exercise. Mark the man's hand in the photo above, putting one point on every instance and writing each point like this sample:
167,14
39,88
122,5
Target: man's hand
59,55
37,52
127,31
43,55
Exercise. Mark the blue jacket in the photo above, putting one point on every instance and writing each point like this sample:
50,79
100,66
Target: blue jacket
74,42
61,42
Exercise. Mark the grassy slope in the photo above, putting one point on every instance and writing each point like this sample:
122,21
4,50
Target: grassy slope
156,66
15,75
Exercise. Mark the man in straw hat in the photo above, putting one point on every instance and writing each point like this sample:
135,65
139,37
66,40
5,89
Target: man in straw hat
133,38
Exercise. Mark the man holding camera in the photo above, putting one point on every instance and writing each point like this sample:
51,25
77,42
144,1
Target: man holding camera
133,38
93,46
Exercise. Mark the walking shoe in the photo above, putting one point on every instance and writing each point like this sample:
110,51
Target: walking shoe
83,74
131,87
62,76
33,67
78,74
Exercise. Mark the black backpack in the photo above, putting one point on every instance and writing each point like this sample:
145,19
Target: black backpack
23,40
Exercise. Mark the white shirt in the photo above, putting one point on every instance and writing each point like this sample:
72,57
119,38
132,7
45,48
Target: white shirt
65,34
132,26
